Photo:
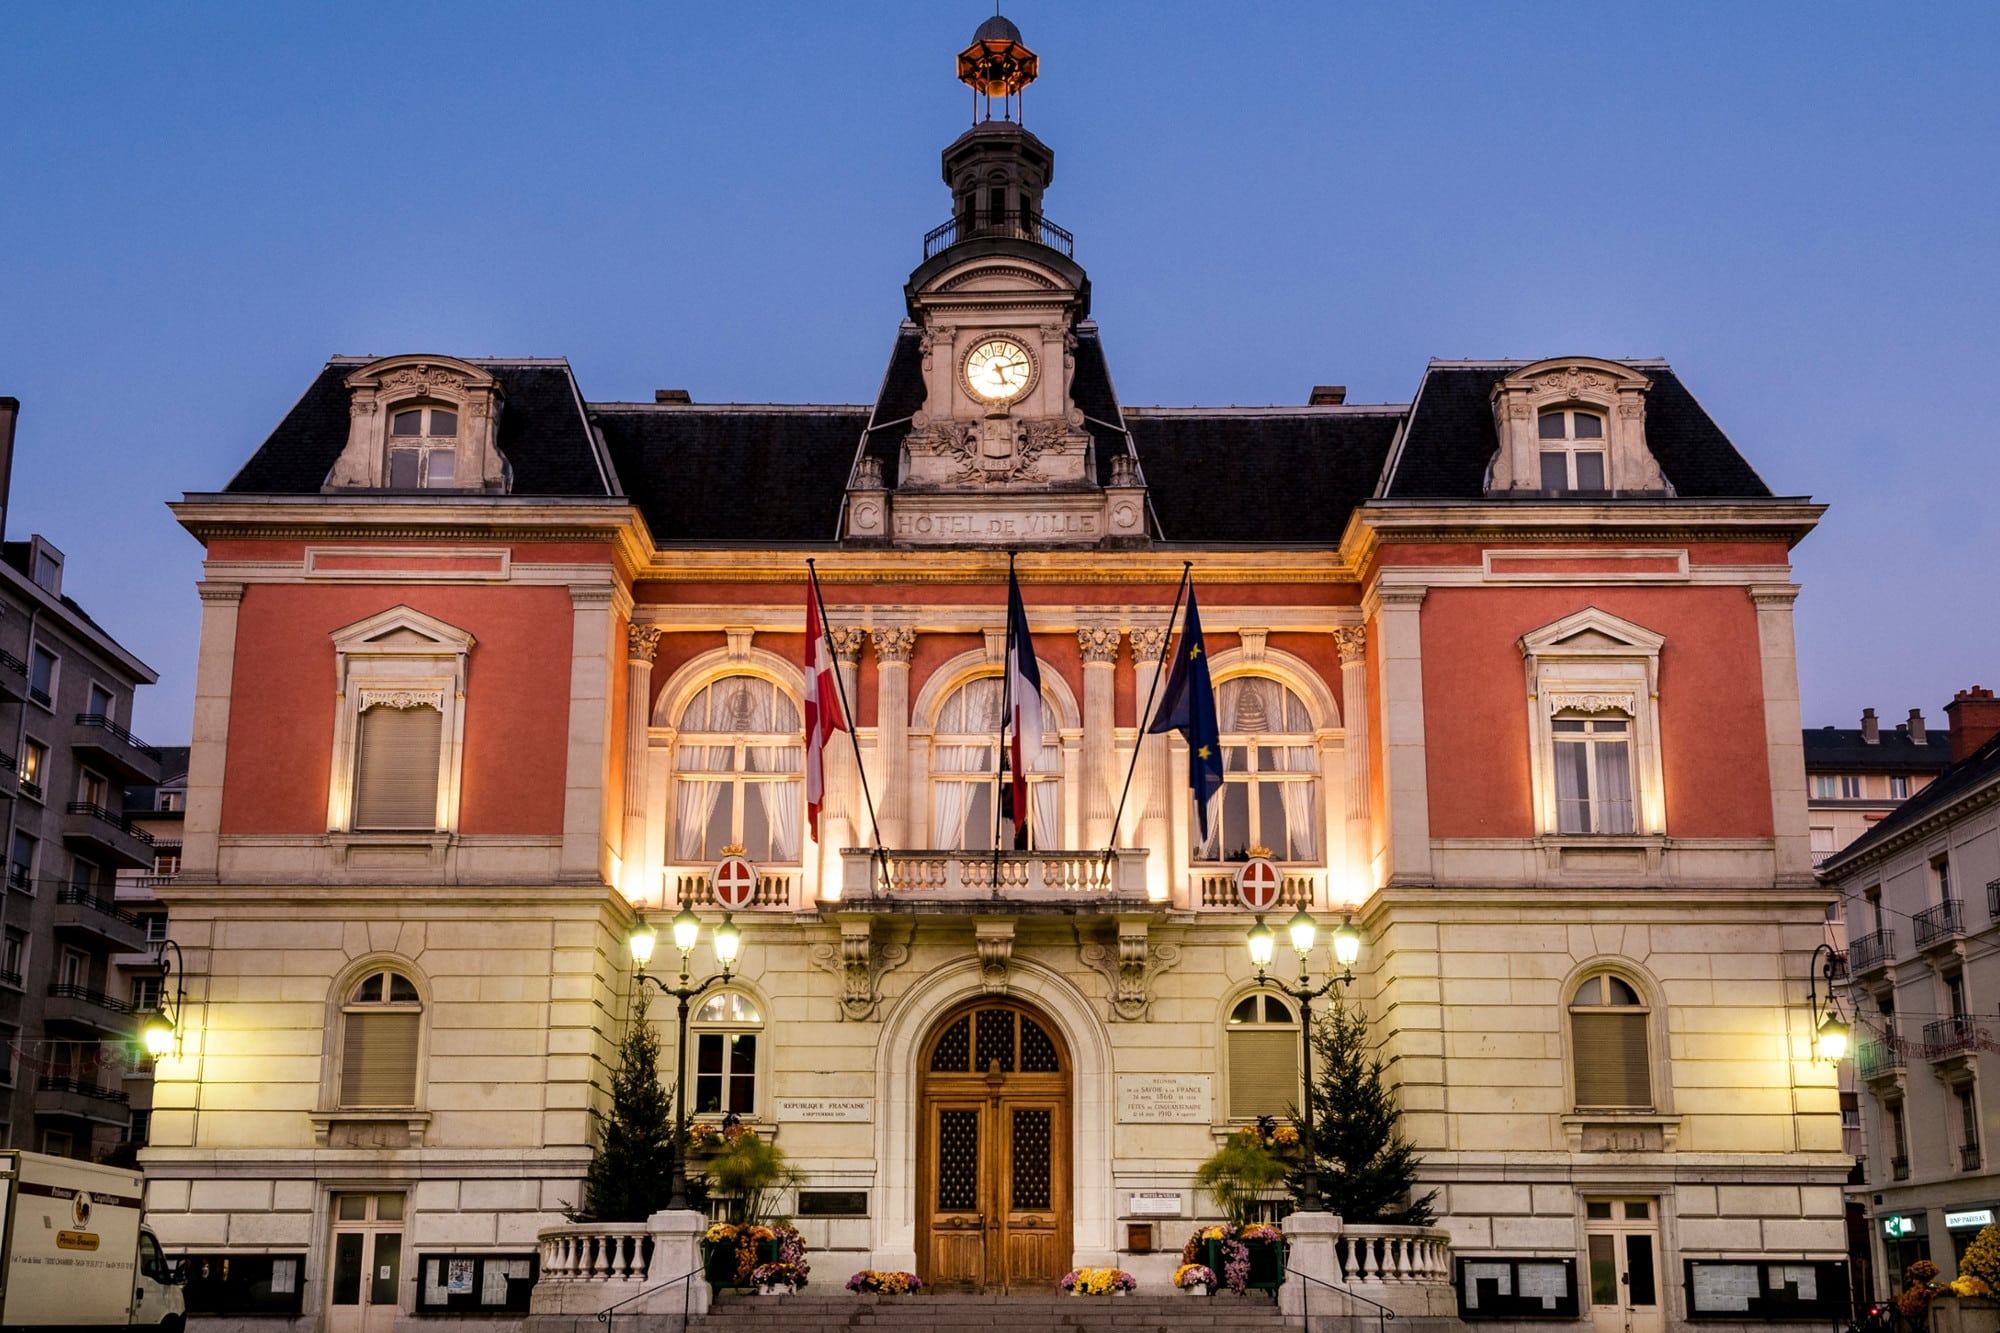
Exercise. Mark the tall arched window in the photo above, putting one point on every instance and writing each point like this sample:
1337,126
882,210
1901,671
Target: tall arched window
1263,1056
737,773
1608,1041
1270,769
969,773
725,1054
381,1021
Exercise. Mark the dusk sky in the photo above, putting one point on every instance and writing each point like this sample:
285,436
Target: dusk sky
1795,204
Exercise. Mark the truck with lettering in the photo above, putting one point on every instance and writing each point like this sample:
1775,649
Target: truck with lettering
74,1250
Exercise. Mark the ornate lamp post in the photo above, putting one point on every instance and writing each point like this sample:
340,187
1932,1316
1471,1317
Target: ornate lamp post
687,932
1346,950
1829,1028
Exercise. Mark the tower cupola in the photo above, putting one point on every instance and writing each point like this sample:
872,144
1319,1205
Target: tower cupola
997,171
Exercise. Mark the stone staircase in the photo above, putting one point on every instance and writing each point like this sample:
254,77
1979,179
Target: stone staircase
824,1312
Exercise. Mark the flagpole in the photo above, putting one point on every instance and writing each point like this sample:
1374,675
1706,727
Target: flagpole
1006,700
847,715
1146,718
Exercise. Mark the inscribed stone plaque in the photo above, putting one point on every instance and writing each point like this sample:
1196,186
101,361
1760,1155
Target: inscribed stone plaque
823,1109
833,1203
1164,1099
1156,1203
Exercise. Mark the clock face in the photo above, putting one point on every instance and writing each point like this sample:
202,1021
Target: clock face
998,370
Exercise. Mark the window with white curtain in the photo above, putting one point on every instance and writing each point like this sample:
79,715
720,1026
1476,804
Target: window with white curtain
1593,763
969,774
738,773
1270,771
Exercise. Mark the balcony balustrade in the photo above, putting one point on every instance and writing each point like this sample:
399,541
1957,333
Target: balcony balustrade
1949,1038
1019,879
101,921
1993,898
777,890
1968,1157
107,836
1872,953
1899,1168
105,745
1009,224
1939,925
1877,1059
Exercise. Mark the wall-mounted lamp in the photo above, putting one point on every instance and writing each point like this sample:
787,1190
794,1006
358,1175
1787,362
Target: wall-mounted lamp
1829,1026
162,1032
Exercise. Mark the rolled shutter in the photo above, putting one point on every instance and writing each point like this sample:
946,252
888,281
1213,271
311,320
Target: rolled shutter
396,768
1263,1072
1611,1064
378,1065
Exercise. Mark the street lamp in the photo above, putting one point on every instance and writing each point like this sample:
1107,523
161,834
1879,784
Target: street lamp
687,932
1304,932
1829,1028
161,1033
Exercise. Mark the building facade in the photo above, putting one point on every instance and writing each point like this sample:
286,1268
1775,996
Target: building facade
1921,895
489,670
1856,776
66,691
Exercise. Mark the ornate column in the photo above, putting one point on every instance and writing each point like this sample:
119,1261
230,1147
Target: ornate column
893,645
1100,742
842,818
642,643
1352,642
1152,786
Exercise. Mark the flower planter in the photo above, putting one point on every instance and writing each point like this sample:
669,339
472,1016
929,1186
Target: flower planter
775,1289
718,1263
1267,1264
1196,1289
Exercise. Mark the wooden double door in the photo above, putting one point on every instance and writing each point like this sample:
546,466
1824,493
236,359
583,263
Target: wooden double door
994,1155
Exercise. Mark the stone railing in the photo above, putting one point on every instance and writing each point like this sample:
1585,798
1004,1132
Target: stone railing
603,1255
1367,1253
1405,1270
946,876
777,890
590,1268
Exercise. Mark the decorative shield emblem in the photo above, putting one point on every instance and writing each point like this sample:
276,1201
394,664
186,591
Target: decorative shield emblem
1258,884
735,883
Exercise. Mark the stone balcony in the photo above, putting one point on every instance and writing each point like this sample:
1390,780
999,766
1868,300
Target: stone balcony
984,881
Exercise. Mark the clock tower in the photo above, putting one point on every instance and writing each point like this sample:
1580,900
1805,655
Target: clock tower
997,447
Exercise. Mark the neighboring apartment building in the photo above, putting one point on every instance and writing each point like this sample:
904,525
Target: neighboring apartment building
1921,896
66,755
488,673
1857,775
144,979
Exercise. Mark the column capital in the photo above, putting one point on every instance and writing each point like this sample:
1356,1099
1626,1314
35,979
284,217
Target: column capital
894,643
1351,641
847,641
642,643
1099,645
211,591
1146,643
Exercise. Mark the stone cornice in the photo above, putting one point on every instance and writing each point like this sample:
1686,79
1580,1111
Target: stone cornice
1594,523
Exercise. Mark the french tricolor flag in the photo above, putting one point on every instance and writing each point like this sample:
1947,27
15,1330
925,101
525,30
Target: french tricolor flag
1024,693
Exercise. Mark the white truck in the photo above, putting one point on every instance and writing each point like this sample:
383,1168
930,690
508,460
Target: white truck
73,1249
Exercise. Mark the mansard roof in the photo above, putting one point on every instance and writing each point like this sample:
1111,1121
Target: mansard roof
543,434
1846,749
1452,439
1977,771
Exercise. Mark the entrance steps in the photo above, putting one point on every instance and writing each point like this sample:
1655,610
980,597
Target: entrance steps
814,1312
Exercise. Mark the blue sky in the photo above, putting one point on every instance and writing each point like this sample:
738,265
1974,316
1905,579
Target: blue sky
1794,203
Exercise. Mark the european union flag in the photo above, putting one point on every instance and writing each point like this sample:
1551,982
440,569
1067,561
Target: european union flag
1189,708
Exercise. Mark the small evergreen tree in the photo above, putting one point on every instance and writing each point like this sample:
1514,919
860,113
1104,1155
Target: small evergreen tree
1367,1169
630,1175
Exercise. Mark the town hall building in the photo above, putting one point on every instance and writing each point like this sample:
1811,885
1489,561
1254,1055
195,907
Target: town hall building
490,671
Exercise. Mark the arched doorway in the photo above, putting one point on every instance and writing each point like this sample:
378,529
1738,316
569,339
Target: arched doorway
993,1152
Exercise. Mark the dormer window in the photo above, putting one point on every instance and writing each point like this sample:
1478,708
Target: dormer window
1572,448
423,448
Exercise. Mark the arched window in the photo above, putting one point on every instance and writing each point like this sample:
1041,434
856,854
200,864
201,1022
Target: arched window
1608,1040
725,1054
1572,446
382,1020
737,776
1263,1056
1270,769
423,447
969,773
1593,763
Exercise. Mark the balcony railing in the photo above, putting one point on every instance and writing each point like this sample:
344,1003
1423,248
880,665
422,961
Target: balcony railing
1948,1038
118,733
1993,898
12,663
1968,1157
947,876
117,821
72,896
1899,1168
1873,1059
1011,224
65,990
1219,891
1872,953
1938,925
10,978
82,1087
777,890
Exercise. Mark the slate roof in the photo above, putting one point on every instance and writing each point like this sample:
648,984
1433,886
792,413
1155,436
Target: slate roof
1961,779
1452,439
543,434
1841,749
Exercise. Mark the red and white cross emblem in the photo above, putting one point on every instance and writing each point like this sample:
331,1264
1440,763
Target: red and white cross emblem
1258,884
735,883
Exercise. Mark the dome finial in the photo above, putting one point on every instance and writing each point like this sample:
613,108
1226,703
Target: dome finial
997,64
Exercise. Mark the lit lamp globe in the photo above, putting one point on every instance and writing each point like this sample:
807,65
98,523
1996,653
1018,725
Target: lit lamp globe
1303,930
158,1036
1833,1038
641,942
1261,943
687,930
1346,944
728,939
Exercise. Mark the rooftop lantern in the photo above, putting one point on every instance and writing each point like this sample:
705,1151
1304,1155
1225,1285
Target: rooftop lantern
997,64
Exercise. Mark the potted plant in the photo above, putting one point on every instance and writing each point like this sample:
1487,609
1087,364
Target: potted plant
1974,1304
718,1254
1221,1250
778,1279
1264,1247
885,1283
1243,1169
1098,1282
1195,1279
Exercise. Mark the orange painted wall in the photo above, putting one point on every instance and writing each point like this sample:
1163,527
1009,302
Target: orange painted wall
281,706
1712,745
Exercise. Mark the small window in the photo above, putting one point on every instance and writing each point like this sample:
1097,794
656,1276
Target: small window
42,675
725,1066
1899,788
1263,1050
10,1039
145,994
1572,452
21,867
48,569
382,1019
1850,786
1941,870
101,703
93,791
140,1131
1593,764
1609,1039
156,926
13,958
423,448
396,768
34,767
